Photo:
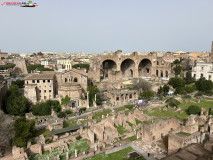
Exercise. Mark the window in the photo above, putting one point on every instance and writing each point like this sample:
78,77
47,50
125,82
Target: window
44,91
75,80
45,97
49,81
130,96
202,68
156,72
39,91
43,81
194,75
33,81
37,81
117,98
49,90
157,63
210,77
27,82
201,76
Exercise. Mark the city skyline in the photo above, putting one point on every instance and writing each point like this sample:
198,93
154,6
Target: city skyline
95,27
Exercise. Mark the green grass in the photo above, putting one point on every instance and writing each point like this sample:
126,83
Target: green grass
80,146
138,121
120,155
130,124
169,113
45,132
121,129
133,138
69,123
98,116
120,109
203,103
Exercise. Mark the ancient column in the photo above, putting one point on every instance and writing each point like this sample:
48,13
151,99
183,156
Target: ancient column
76,155
67,155
95,101
88,99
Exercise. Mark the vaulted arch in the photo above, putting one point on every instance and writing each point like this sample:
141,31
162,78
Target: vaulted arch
106,66
128,68
144,67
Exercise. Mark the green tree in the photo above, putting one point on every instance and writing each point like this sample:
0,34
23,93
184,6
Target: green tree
83,65
180,90
24,131
189,79
177,69
165,89
19,83
172,102
65,100
38,67
160,91
92,91
176,82
147,94
204,85
45,108
16,103
193,109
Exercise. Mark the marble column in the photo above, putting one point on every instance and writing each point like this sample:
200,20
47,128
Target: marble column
88,99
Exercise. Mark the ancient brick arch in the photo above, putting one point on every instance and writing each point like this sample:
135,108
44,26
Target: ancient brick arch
108,65
128,68
144,67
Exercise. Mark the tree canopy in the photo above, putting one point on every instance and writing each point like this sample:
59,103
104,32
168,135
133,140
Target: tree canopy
204,85
16,103
176,82
193,109
147,94
39,67
45,108
24,131
141,85
65,100
81,65
19,83
92,91
7,66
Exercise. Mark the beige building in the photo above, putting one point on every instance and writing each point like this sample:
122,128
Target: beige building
40,87
56,85
66,63
3,90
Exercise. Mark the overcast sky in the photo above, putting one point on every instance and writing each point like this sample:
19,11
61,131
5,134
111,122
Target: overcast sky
95,26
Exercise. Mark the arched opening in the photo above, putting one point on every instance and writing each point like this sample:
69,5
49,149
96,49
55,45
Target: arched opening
107,65
161,73
157,63
65,79
144,68
157,73
127,68
167,74
75,79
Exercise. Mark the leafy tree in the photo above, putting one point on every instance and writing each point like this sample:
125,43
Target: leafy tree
186,65
24,131
177,62
204,85
193,109
92,91
177,69
38,67
160,90
61,114
165,89
190,88
141,85
172,102
45,108
19,83
83,65
180,90
189,79
65,100
16,103
176,82
7,66
147,94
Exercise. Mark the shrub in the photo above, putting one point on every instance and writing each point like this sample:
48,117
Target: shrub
180,90
199,94
61,114
172,102
68,112
176,82
204,85
129,106
147,94
78,137
193,109
83,109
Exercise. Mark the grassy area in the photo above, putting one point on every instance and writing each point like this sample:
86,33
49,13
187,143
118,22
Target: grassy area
183,134
69,123
45,155
169,113
133,138
203,103
120,109
120,155
121,129
98,116
45,132
138,121
80,146
130,124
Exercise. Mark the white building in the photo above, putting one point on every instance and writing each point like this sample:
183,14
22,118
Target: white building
203,69
67,63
